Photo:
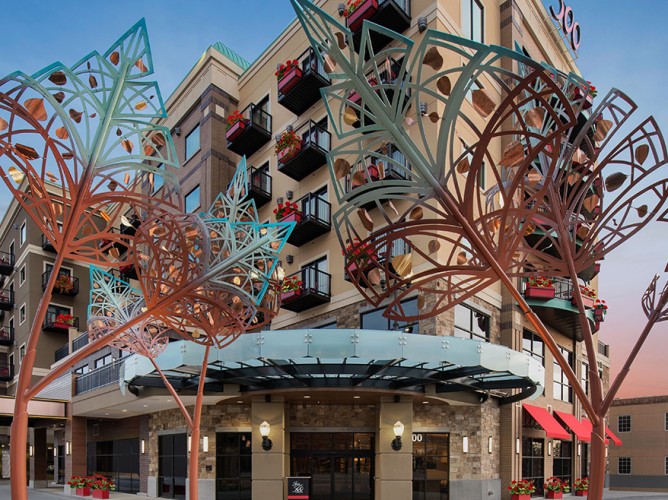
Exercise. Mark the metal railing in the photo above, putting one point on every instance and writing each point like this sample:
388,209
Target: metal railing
51,321
563,288
6,296
309,63
404,5
399,247
6,334
376,166
6,372
258,116
62,352
69,287
260,180
315,280
6,259
79,342
47,245
104,375
315,208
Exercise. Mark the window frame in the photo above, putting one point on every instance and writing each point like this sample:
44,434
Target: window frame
23,233
393,326
197,188
107,357
563,381
22,314
22,352
533,340
472,335
22,275
187,156
626,426
467,10
619,466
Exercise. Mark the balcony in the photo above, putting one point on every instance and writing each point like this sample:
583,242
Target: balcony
6,372
129,226
106,245
309,155
65,284
6,263
77,344
250,132
100,377
61,353
52,323
558,312
6,335
313,219
259,188
128,271
299,88
391,14
6,300
315,290
47,246
399,247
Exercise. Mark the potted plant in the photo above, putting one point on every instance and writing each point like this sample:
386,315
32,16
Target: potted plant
64,321
287,146
357,11
588,297
521,490
555,488
288,75
101,485
539,287
359,257
581,487
64,284
291,288
81,484
600,310
236,124
288,212
589,98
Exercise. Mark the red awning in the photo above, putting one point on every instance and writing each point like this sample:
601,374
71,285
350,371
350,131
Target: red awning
587,423
547,422
578,428
611,435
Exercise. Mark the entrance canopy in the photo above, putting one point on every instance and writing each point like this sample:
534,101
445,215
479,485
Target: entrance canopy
362,359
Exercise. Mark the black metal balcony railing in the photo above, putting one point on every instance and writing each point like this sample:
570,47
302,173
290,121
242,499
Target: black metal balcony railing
65,284
107,244
310,155
53,323
6,335
315,290
313,220
6,263
6,372
6,300
131,228
299,90
104,375
77,344
250,133
398,247
259,187
392,14
62,352
128,271
46,245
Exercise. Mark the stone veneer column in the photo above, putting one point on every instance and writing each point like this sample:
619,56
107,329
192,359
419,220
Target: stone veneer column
394,469
269,467
144,457
38,460
75,462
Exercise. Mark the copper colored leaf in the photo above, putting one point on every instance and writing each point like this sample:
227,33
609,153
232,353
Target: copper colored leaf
602,129
112,187
51,177
392,207
127,145
92,81
615,181
462,258
421,302
59,96
579,157
148,150
341,40
341,168
26,151
87,230
67,156
114,253
62,133
119,132
3,124
591,202
483,103
403,264
642,211
513,155
443,85
433,116
330,64
58,78
126,178
141,66
434,246
416,214
535,117
75,115
16,175
349,116
463,166
433,58
366,220
374,276
35,107
158,139
359,179
140,105
409,122
57,208
641,153
114,57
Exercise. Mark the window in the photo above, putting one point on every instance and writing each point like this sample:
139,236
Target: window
22,314
11,248
118,459
172,465
328,325
158,179
22,275
374,320
533,461
193,200
473,25
584,377
82,370
666,422
471,324
233,464
23,234
624,465
431,466
666,466
260,114
11,361
562,451
469,155
534,346
260,179
103,361
22,352
192,143
624,423
315,276
561,387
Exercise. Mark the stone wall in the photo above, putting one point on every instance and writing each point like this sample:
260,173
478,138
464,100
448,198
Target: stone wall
315,415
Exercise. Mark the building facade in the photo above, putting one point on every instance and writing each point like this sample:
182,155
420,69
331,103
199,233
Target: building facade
325,379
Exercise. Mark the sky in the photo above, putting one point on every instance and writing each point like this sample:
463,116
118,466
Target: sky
624,45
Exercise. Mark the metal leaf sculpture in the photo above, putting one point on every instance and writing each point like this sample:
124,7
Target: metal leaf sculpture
424,217
654,302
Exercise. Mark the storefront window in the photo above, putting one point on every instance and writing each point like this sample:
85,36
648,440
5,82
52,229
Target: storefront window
118,460
533,462
233,466
431,466
172,465
562,452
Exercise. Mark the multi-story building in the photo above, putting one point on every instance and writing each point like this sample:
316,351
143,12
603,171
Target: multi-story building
333,376
641,462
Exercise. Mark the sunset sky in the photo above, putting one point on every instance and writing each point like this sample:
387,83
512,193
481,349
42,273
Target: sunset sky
624,45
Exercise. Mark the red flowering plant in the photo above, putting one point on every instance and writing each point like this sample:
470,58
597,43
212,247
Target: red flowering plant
236,116
284,68
592,90
65,319
581,484
600,304
64,284
287,140
290,284
522,487
540,282
358,253
556,484
284,209
79,482
588,292
352,6
100,482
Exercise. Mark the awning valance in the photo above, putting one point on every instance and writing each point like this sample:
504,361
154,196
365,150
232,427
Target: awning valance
578,428
549,424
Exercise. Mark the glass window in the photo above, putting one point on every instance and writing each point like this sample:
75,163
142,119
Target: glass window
624,423
471,324
666,422
562,452
584,376
374,320
192,143
431,466
22,352
666,466
23,234
11,248
233,465
11,361
473,24
22,314
22,275
533,462
534,346
193,201
82,370
624,465
104,360
561,387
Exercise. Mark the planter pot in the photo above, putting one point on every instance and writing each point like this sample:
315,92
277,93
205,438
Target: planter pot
539,292
374,175
353,270
521,497
581,493
587,301
288,154
100,493
365,11
599,315
83,492
291,295
289,80
62,326
293,217
554,494
236,130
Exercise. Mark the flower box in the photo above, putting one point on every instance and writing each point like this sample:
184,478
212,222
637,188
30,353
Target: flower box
290,295
521,497
587,301
100,493
236,130
539,292
293,217
365,11
554,494
289,80
62,326
581,493
599,315
83,492
287,154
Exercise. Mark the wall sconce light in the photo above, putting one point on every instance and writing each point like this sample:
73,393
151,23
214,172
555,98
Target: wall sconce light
55,450
422,24
579,449
341,9
398,432
30,451
465,444
143,446
423,108
289,195
68,448
205,444
280,272
289,258
279,200
518,446
190,440
549,448
177,131
265,429
490,444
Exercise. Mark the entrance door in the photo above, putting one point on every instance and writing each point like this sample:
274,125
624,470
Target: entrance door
340,464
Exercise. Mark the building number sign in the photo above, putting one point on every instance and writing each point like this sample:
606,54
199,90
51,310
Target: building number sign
571,28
